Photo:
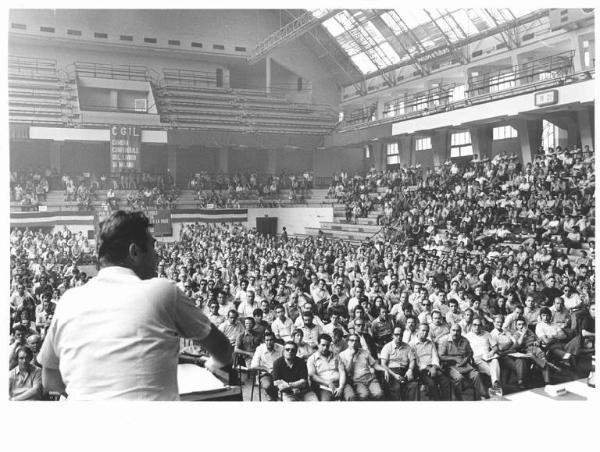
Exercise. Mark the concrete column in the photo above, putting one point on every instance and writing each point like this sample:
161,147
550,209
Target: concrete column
114,98
271,161
379,160
405,145
577,45
55,155
441,146
380,108
530,136
268,71
481,138
223,160
586,127
514,60
172,160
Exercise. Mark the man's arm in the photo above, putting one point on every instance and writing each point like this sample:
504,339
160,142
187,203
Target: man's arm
192,323
36,389
312,372
219,347
52,380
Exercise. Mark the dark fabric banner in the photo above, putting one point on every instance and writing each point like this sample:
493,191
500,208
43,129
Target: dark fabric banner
125,146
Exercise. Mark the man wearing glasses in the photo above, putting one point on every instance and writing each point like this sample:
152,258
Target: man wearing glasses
327,373
290,376
398,360
484,355
359,365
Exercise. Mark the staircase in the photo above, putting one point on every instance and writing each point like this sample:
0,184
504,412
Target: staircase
339,228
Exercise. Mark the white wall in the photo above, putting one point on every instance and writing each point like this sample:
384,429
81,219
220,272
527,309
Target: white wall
513,106
295,219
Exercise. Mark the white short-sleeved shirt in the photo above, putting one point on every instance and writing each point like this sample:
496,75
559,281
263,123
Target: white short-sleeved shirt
117,337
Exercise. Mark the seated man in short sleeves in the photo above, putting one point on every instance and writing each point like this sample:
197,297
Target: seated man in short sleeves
291,377
359,366
398,359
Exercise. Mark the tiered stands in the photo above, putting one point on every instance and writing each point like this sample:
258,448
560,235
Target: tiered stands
339,228
547,72
363,229
192,99
55,200
37,94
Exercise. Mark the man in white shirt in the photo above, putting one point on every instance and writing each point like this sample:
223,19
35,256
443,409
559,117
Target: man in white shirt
117,337
484,355
282,326
263,359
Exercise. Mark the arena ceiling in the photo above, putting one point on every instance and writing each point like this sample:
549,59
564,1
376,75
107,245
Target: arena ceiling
358,44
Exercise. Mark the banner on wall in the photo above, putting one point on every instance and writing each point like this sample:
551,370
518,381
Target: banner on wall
161,219
125,146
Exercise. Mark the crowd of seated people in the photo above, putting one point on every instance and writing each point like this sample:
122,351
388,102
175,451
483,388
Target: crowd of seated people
42,267
30,188
557,183
473,302
459,318
225,190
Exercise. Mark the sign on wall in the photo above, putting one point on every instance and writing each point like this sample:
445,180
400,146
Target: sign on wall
161,219
125,145
544,98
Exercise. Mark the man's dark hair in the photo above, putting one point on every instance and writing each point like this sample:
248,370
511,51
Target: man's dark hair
269,334
27,350
292,344
20,328
117,232
324,336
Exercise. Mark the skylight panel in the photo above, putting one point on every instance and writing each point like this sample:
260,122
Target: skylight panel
462,18
374,32
413,17
388,18
364,63
519,12
389,52
333,27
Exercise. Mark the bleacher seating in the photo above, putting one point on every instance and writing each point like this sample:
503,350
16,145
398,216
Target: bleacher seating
192,99
55,200
37,93
543,73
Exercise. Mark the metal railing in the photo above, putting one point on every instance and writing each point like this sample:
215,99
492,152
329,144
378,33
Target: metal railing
117,72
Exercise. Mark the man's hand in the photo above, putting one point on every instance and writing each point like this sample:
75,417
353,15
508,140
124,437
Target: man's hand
215,367
337,392
281,385
433,371
386,375
409,375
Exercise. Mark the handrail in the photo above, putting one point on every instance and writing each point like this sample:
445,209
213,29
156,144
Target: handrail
117,72
468,101
527,69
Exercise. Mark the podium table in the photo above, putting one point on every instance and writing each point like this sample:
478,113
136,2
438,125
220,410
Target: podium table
198,384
